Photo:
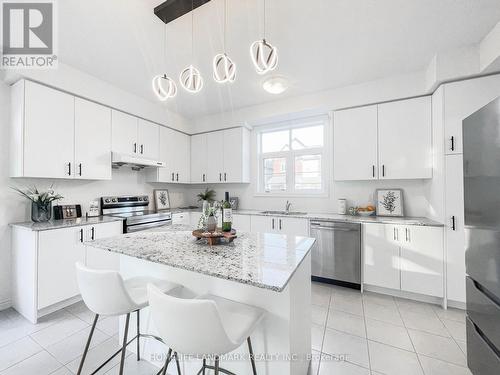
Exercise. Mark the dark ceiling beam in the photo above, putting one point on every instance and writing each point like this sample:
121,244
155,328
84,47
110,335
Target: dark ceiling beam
173,9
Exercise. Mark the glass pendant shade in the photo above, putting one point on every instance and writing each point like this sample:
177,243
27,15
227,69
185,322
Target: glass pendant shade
164,87
264,56
224,68
191,79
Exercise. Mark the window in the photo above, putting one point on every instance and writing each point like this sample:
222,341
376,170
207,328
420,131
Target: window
291,157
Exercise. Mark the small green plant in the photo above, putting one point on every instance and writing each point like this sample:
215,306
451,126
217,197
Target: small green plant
41,199
208,195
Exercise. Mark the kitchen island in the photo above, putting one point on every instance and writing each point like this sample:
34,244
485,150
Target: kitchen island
271,271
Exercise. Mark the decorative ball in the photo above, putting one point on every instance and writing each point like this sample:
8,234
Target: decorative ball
191,79
164,87
264,56
224,68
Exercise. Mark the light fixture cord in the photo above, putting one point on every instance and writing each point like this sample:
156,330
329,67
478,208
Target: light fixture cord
225,25
264,19
165,46
192,30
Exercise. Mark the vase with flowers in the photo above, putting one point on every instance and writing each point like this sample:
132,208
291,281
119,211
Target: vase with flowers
41,202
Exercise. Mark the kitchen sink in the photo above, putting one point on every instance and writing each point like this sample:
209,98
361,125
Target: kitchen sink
283,213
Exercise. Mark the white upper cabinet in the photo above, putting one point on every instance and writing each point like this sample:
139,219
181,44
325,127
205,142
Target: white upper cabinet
199,162
175,152
42,131
461,100
355,144
148,139
124,133
92,140
385,141
221,156
405,139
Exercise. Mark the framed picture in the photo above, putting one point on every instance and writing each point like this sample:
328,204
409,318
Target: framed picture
389,202
162,200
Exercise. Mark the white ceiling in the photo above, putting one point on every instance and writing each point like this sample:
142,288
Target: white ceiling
322,44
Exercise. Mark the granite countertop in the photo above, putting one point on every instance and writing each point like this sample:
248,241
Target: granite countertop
422,221
263,260
66,223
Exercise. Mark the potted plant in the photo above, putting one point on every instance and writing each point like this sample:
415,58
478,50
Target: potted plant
41,202
206,197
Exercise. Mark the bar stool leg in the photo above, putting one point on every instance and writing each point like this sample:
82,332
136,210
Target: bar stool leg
167,362
85,351
124,346
138,335
252,359
216,367
204,365
177,363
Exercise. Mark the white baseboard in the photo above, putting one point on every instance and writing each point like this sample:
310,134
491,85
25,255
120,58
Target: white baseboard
403,294
457,305
4,305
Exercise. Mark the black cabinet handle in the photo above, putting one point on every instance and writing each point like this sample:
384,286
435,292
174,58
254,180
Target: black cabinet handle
272,225
142,149
220,176
177,177
80,169
173,176
69,169
452,143
203,177
81,235
383,170
373,170
135,148
280,223
453,223
92,233
225,176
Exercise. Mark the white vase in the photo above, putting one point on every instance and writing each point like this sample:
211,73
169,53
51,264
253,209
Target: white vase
205,207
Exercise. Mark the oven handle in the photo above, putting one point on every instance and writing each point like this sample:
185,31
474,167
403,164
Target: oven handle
336,229
139,227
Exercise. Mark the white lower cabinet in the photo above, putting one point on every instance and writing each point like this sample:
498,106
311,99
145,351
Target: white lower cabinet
181,218
278,224
43,264
407,258
241,223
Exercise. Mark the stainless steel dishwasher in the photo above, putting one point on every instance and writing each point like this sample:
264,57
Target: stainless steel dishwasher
336,255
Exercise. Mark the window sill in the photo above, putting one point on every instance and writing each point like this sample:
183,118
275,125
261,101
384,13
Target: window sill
292,195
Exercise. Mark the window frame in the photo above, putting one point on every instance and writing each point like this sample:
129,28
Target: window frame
290,155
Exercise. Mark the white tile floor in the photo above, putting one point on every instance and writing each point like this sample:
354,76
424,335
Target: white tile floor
351,334
378,334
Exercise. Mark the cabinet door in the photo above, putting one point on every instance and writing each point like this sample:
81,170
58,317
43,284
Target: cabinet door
454,228
381,256
263,224
233,146
293,226
355,144
124,133
215,156
58,251
92,141
422,261
49,126
404,139
241,223
461,100
148,139
199,158
98,258
167,155
182,158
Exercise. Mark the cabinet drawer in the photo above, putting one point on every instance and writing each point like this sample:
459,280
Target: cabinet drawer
481,358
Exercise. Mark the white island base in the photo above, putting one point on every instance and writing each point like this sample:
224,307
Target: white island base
282,341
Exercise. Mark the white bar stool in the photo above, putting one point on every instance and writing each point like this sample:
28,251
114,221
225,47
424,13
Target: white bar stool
106,293
205,326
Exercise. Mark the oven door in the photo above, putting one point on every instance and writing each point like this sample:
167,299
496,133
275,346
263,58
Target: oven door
156,226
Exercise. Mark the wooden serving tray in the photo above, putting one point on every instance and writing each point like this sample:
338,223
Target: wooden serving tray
215,238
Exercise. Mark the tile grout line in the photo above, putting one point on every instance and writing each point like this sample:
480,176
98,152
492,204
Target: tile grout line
453,338
411,340
366,333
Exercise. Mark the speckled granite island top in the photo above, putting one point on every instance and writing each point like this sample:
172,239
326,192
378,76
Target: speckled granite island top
66,223
263,260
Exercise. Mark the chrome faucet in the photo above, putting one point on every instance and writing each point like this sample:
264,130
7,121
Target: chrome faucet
287,207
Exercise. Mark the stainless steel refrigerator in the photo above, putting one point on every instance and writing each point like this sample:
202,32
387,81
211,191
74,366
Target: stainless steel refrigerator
481,155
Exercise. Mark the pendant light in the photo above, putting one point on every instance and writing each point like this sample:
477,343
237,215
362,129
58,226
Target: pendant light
263,54
224,68
190,78
163,86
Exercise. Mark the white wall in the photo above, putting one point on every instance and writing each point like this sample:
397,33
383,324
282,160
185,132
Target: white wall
14,208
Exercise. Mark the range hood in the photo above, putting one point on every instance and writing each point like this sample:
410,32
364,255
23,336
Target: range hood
137,163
